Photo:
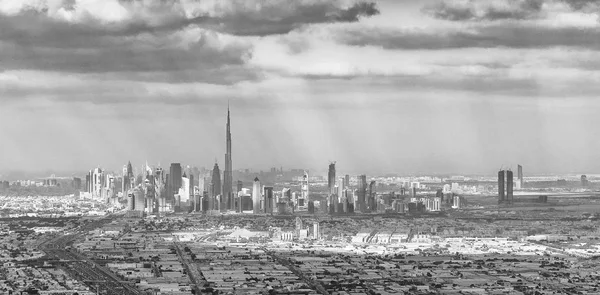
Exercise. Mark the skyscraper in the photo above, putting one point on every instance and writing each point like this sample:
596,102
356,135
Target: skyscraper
128,178
372,194
331,179
96,183
268,193
140,200
228,173
362,192
175,175
302,201
216,180
501,196
124,181
240,185
509,187
505,187
520,176
256,196
130,175
340,187
347,180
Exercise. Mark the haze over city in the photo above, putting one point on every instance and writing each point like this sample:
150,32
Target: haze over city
389,86
303,147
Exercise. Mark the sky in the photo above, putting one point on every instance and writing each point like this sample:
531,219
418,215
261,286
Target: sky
428,86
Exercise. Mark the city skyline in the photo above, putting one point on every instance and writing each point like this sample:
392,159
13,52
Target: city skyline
371,147
383,86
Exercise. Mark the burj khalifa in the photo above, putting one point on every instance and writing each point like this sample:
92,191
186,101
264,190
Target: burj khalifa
228,173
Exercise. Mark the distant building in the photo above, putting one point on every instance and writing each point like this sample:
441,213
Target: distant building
501,187
505,187
509,187
437,204
311,207
286,195
347,180
96,183
268,197
302,201
323,207
256,196
240,185
456,204
333,204
184,190
331,178
362,192
584,180
130,201
174,182
339,188
140,200
372,194
228,173
216,180
520,180
298,225
303,234
447,189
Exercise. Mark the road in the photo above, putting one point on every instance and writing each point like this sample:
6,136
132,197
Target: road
84,269
312,283
193,272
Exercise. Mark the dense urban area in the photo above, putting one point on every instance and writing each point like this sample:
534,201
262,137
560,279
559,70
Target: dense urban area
407,235
193,230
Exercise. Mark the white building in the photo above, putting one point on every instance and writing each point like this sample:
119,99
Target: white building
456,202
184,191
256,196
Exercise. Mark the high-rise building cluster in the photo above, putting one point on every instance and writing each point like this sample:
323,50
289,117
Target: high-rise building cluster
505,187
185,189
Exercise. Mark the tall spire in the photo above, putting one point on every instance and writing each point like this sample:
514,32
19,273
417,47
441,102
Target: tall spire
228,128
228,173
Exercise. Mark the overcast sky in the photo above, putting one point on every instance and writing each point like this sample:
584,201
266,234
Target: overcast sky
389,86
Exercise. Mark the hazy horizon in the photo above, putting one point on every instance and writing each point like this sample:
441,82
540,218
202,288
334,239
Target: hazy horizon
390,85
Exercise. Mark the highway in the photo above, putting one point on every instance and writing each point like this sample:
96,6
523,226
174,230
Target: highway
312,283
192,269
84,269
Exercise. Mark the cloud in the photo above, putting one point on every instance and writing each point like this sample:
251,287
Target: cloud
175,41
461,10
192,54
484,36
237,17
583,4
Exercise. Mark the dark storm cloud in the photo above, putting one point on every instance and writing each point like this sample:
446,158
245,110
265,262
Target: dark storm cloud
274,19
484,10
246,18
123,58
507,35
36,42
150,44
582,4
